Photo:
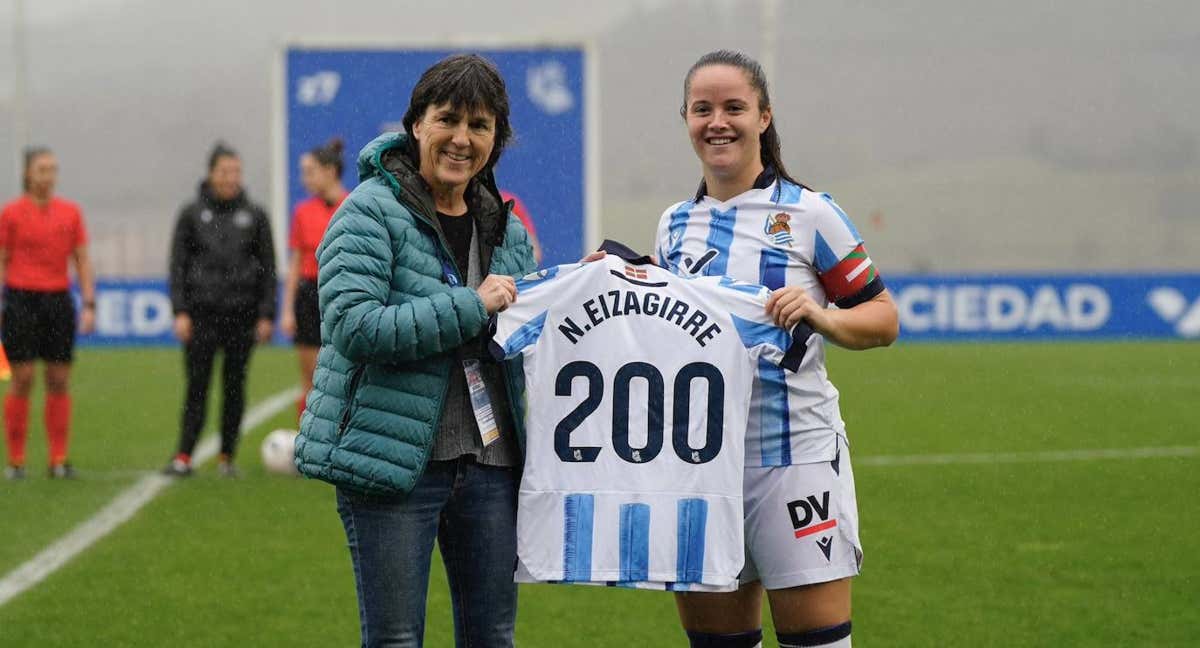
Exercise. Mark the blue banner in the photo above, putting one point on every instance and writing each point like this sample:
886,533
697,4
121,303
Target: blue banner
358,94
1047,307
932,308
133,312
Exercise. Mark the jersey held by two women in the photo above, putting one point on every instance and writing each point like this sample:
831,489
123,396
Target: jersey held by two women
638,384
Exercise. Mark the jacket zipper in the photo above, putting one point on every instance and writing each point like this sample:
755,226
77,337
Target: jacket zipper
354,380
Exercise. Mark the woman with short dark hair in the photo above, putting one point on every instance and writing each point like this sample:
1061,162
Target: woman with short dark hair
39,233
408,417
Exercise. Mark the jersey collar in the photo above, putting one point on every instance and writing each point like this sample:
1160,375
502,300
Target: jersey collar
621,250
764,180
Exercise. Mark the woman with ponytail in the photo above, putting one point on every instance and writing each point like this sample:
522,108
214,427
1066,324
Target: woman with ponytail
40,233
752,221
321,174
223,288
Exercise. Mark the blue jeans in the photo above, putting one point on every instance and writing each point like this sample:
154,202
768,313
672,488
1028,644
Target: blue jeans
472,511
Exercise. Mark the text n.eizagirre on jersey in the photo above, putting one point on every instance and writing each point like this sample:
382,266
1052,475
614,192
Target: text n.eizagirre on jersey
620,303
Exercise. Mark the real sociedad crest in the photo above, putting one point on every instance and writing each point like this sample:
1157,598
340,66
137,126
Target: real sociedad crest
548,89
778,229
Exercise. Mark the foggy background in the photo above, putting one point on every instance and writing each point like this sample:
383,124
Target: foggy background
959,136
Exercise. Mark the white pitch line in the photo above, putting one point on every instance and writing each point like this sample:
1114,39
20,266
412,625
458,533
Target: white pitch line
1028,457
132,499
122,508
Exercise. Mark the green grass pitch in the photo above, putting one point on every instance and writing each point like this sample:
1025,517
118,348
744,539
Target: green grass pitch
982,553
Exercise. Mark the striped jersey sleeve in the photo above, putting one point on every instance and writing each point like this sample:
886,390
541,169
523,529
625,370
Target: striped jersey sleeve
669,235
843,266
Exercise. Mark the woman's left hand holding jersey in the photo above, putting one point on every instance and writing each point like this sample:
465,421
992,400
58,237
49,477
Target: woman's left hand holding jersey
869,324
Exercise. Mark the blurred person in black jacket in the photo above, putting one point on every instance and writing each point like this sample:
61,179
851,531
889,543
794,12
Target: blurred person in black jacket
222,281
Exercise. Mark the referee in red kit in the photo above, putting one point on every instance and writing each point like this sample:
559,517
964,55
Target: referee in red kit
39,233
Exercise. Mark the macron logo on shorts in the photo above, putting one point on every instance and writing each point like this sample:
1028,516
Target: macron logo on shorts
810,516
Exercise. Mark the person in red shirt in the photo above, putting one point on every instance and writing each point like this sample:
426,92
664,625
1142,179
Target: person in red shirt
321,173
39,233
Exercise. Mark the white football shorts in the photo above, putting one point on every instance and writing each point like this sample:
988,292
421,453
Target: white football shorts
801,523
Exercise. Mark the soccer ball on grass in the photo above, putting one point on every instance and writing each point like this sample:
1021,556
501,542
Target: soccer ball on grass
277,450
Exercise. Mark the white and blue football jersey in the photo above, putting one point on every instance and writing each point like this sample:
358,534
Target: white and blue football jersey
778,234
637,386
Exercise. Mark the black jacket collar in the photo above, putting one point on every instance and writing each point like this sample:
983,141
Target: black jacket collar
483,198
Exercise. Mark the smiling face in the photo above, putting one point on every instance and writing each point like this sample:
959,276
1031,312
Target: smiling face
454,144
724,123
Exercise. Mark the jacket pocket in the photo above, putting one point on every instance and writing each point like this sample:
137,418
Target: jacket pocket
355,378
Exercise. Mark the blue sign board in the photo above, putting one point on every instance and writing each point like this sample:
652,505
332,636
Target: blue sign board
932,308
1058,307
356,94
132,313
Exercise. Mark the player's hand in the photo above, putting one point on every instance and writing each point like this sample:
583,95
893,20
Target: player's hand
287,324
183,327
262,330
594,256
497,292
87,320
790,304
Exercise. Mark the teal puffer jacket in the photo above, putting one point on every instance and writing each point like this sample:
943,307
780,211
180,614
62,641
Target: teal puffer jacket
390,324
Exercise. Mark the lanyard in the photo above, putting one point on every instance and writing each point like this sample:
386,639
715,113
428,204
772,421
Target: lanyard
449,275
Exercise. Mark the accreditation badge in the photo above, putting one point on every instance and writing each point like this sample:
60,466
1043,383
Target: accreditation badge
485,417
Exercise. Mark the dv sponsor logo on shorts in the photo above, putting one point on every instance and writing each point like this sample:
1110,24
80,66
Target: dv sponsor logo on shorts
810,516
